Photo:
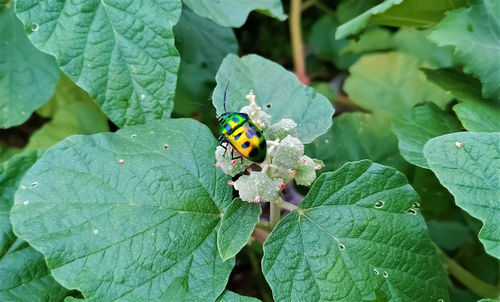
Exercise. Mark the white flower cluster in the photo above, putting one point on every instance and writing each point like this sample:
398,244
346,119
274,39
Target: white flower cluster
284,162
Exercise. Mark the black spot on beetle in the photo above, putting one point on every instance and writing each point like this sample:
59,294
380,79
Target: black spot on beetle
228,127
254,152
245,145
237,137
262,145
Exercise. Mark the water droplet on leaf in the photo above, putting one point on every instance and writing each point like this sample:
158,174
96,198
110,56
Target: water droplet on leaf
379,204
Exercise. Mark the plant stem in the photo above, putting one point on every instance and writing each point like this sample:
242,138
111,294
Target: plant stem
476,285
258,277
299,61
288,206
263,225
275,213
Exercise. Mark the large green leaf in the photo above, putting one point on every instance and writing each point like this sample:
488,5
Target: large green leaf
232,13
134,210
419,125
23,273
356,236
400,13
277,91
236,227
323,43
467,164
72,112
203,45
356,136
475,34
391,83
27,76
479,116
121,52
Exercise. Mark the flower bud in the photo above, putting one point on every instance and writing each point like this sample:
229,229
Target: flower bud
229,166
263,118
257,185
282,129
288,152
306,172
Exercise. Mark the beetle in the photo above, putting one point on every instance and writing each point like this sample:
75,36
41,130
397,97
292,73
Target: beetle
238,131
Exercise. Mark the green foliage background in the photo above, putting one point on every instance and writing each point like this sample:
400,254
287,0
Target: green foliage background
108,184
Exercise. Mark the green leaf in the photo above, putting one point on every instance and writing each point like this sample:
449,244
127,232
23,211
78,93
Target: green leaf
133,209
417,13
24,276
391,83
448,235
75,118
7,152
474,34
348,9
203,45
236,227
324,45
415,42
467,164
277,91
356,136
11,173
121,53
354,238
27,76
479,116
437,203
460,85
72,112
23,273
373,39
67,92
229,296
232,13
417,126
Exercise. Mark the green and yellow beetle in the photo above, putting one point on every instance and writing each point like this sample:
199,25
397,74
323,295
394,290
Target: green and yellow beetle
238,130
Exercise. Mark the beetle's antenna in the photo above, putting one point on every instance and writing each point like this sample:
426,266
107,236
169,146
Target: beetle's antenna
225,90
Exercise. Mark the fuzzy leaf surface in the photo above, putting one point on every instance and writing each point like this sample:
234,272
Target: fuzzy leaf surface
419,125
134,211
353,238
467,164
391,83
277,91
232,13
475,34
236,227
28,77
121,52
